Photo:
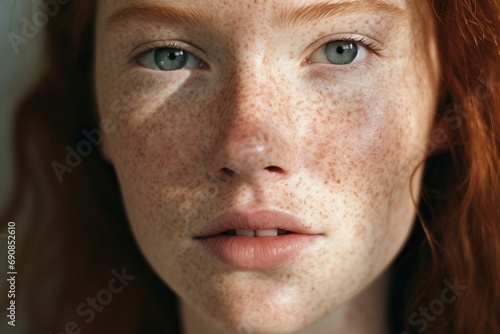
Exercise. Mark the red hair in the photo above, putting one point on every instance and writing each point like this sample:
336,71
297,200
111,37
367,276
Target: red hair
460,200
76,230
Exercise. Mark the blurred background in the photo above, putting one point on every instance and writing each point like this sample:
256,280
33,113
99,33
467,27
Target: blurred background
21,62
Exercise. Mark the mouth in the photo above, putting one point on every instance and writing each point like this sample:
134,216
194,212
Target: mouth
261,223
257,240
256,233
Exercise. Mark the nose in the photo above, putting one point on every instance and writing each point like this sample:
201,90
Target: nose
255,137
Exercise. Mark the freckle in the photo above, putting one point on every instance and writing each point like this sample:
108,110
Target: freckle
359,230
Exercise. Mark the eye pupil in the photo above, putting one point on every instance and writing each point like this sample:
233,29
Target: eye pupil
170,59
341,52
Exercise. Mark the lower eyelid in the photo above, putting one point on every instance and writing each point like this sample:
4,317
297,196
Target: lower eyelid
329,71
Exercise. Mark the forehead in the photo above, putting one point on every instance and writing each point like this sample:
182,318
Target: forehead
280,13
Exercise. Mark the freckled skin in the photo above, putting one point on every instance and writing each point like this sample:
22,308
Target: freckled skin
341,142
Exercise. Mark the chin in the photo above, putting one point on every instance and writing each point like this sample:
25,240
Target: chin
258,323
281,313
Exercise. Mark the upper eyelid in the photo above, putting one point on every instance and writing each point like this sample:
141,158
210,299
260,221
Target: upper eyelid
371,44
150,46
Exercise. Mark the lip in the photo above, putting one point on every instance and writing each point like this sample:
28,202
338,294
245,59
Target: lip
256,220
257,252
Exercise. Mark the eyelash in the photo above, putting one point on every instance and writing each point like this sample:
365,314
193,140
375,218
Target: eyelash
148,47
372,46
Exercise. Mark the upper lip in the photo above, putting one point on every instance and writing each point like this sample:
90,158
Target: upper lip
255,220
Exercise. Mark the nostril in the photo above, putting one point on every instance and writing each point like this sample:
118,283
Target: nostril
227,171
274,169
226,174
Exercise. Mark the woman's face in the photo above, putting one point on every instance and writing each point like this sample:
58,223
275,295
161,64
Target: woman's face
305,116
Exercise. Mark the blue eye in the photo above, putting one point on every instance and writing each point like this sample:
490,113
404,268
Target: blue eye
339,53
169,59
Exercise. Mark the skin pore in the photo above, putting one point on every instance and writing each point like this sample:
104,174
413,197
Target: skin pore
259,118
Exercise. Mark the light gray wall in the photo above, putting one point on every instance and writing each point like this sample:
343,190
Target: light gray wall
19,67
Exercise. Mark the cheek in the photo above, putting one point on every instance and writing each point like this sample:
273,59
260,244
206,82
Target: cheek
357,140
361,157
152,127
156,140
358,148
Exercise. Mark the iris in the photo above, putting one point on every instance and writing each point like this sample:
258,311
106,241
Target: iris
341,52
170,59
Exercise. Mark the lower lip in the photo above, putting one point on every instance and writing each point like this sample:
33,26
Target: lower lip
258,252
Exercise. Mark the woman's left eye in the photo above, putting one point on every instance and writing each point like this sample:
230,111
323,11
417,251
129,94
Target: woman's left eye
339,53
169,59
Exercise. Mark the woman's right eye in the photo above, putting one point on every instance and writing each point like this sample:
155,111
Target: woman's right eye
169,59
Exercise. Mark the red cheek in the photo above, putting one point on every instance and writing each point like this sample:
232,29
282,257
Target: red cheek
363,142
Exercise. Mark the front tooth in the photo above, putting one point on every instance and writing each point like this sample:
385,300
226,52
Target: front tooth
246,233
267,233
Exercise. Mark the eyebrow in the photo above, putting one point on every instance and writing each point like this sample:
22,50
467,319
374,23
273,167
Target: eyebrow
191,15
185,14
323,10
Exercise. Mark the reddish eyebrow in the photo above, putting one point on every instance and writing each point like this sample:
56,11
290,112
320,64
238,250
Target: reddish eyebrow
322,10
163,13
203,17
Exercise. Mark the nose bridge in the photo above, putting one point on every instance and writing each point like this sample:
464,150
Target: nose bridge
253,77
252,139
252,105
